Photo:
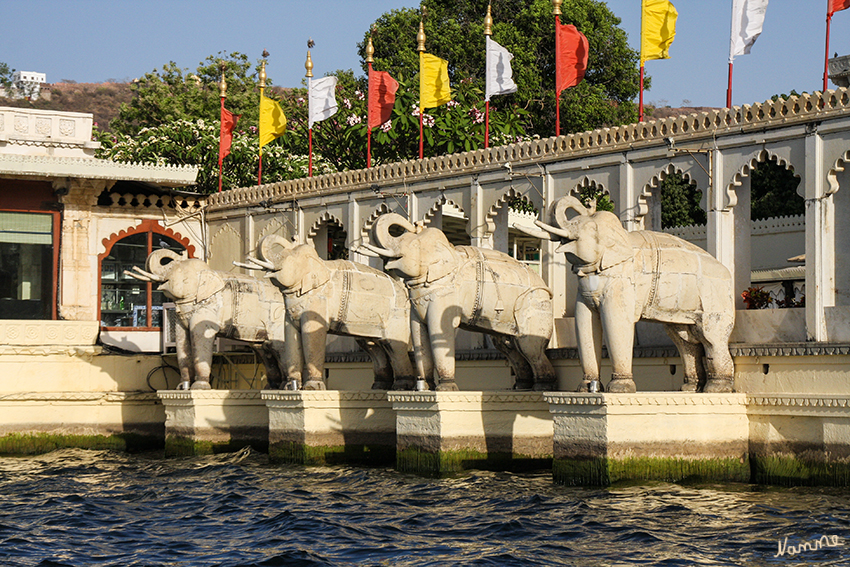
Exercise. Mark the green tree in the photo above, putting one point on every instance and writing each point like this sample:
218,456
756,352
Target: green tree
773,192
6,76
175,94
680,202
455,32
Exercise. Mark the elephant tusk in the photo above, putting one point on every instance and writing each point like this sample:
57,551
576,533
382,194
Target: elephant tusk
247,266
260,264
555,230
541,234
366,252
142,275
381,252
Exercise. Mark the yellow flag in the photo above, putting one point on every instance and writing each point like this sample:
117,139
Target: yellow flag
434,89
272,120
657,29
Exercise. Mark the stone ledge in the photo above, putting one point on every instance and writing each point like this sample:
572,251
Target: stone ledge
655,399
306,396
109,397
223,395
814,405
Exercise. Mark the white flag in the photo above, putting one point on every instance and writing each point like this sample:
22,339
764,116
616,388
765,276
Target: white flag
747,21
322,99
499,75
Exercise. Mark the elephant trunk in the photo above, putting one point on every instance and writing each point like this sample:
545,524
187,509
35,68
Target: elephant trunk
389,245
568,232
272,249
564,204
158,267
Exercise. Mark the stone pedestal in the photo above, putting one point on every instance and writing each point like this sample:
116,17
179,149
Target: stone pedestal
604,438
202,422
330,426
800,439
444,432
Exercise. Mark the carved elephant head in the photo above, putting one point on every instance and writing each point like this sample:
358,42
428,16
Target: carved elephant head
181,278
592,240
418,253
296,268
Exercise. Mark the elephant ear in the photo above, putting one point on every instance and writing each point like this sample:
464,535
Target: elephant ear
439,252
617,249
316,274
209,283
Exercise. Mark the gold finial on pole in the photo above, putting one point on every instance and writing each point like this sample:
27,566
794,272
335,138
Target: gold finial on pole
556,7
420,37
488,21
370,51
222,86
263,74
309,63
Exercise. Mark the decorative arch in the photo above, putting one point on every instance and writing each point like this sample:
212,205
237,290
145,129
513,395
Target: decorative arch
653,185
832,174
437,206
501,202
271,227
370,221
762,156
325,218
232,243
144,226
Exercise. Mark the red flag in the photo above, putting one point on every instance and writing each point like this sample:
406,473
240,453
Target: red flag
228,123
838,5
382,89
571,58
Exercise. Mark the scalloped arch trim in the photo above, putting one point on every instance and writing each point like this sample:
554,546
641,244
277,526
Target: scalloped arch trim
145,226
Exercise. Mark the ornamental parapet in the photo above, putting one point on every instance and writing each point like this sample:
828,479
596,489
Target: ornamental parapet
738,119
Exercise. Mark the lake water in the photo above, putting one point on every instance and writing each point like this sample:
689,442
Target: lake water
80,508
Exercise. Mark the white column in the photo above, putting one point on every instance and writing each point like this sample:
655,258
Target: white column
820,242
477,225
720,219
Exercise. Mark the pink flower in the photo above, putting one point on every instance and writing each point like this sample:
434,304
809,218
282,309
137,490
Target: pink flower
452,103
428,120
359,95
347,103
387,126
353,120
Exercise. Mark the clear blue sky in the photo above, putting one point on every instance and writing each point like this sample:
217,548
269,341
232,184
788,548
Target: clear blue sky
98,40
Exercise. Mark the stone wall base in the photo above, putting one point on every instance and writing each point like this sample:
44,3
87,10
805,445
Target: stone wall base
203,422
39,422
600,439
445,432
330,427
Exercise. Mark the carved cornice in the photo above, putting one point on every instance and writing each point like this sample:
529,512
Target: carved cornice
71,397
91,168
814,405
790,349
736,120
485,397
62,335
646,399
323,396
188,396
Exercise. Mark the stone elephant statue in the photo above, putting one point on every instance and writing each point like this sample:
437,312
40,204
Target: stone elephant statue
626,276
341,298
214,304
471,288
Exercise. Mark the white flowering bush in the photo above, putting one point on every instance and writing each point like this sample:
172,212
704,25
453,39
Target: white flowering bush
187,142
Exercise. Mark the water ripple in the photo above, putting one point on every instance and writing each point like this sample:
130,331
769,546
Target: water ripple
99,508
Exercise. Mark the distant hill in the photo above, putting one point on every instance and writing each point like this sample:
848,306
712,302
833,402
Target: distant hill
100,99
104,99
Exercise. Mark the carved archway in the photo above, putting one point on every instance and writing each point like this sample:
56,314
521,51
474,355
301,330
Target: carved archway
652,188
335,245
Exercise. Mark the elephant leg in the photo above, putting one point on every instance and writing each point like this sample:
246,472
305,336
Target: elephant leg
720,369
380,364
184,358
523,374
442,329
589,339
273,376
691,351
293,359
314,334
422,353
533,350
203,338
620,334
404,376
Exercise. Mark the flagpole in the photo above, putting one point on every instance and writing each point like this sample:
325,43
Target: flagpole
370,52
729,88
308,65
556,11
826,55
222,86
262,89
488,31
420,47
640,104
